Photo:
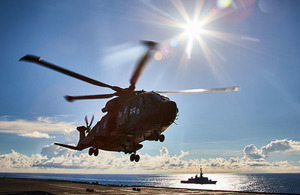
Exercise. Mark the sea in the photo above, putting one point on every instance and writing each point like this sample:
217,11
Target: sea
286,183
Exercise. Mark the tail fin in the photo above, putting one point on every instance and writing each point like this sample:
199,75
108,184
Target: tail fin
79,146
68,146
81,130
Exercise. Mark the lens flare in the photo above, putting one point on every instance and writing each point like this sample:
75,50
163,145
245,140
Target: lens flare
173,43
158,56
224,3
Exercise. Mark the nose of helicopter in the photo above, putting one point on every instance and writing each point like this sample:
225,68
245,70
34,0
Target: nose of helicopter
170,112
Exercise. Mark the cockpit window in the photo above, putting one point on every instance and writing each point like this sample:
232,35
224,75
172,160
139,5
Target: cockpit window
164,98
155,97
160,98
141,101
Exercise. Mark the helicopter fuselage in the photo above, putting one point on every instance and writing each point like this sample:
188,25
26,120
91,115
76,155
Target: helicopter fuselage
129,121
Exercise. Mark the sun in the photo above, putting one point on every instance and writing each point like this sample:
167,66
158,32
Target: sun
192,31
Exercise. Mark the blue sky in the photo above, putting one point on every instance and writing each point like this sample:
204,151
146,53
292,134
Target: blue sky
251,44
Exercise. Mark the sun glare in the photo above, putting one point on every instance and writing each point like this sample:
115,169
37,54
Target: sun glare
191,30
195,26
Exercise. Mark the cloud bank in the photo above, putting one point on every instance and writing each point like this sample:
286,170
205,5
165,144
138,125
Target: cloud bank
57,159
40,128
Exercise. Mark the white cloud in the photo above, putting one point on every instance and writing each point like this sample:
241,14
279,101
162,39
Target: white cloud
281,146
252,152
52,150
40,128
54,158
16,160
284,145
36,134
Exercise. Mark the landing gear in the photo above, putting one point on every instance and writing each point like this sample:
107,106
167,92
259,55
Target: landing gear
161,138
91,151
158,136
134,157
94,151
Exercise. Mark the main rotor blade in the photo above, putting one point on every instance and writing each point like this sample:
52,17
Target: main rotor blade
39,61
202,90
88,97
142,63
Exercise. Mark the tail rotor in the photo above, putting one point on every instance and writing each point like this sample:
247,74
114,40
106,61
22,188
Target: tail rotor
88,125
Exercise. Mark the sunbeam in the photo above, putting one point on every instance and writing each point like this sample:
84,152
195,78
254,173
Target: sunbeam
195,27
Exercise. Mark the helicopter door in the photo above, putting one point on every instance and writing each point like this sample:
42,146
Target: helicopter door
122,116
135,108
142,103
102,127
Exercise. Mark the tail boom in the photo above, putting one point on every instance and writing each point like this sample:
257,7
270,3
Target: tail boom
69,146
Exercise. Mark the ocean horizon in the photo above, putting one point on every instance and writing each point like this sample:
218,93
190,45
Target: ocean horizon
248,182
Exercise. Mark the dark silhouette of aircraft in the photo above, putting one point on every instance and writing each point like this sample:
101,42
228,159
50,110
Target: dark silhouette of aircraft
131,117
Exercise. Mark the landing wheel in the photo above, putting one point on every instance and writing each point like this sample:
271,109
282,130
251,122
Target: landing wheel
91,151
96,151
137,158
156,138
161,138
132,157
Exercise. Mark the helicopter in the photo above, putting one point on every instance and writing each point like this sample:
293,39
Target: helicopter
132,116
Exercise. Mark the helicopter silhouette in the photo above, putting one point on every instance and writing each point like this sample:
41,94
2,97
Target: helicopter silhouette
131,117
